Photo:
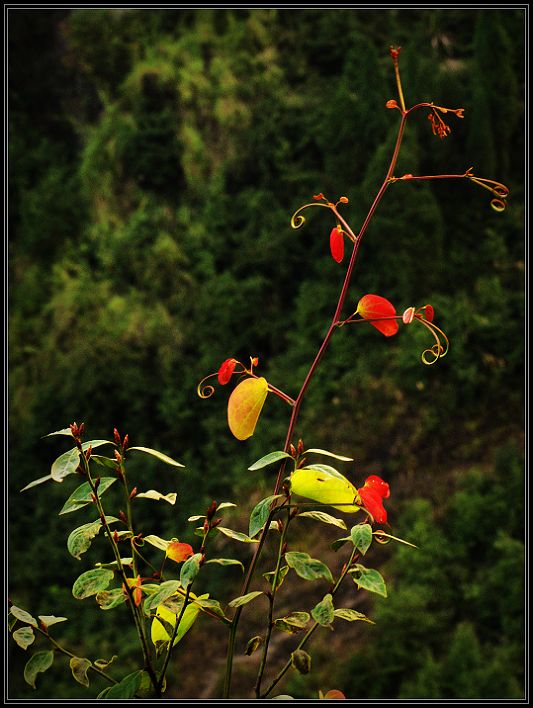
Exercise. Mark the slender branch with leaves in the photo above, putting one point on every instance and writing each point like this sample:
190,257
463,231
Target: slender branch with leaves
305,485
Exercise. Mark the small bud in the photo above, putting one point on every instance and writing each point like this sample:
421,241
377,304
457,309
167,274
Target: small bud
211,510
88,453
93,497
255,361
97,482
391,104
292,451
302,462
202,559
118,456
122,517
117,437
119,474
300,446
133,493
395,52
318,196
284,548
74,429
280,525
126,441
206,526
115,536
81,429
215,522
80,470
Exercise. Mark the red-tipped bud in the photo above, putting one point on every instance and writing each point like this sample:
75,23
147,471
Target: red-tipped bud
211,510
336,244
118,457
206,526
391,104
97,482
122,517
81,429
395,52
226,371
300,446
343,200
88,453
74,429
255,361
215,522
117,437
133,493
280,525
318,196
126,441
292,451
115,536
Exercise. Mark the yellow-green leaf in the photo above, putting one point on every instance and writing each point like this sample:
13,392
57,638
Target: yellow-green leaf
324,487
244,406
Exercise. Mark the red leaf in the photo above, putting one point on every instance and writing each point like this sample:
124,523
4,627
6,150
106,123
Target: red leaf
226,370
336,244
378,485
373,503
179,552
375,307
430,313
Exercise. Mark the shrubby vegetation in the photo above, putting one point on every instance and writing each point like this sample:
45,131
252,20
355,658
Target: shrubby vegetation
154,158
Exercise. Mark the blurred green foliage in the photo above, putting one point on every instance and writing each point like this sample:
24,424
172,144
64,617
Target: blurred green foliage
155,158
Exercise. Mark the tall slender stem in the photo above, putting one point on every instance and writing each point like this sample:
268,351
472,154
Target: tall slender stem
307,380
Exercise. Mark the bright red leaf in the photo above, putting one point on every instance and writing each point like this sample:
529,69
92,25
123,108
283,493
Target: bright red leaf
372,494
336,244
375,308
226,370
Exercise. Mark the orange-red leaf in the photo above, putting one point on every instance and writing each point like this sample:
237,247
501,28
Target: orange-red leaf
244,406
335,695
179,552
430,313
375,307
372,494
226,370
336,244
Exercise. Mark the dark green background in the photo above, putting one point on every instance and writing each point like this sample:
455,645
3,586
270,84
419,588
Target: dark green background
155,159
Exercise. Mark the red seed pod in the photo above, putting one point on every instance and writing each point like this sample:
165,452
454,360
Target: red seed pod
226,371
116,436
336,244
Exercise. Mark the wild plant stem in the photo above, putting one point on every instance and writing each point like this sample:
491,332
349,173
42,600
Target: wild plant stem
271,598
173,637
307,380
312,629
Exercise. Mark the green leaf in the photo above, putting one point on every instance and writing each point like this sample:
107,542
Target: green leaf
109,599
244,406
361,536
68,462
103,664
36,482
323,613
301,661
103,694
211,606
64,431
79,668
369,579
225,561
260,514
127,688
166,589
253,644
11,622
155,453
295,622
108,462
223,505
269,460
269,577
113,565
24,637
82,495
23,616
328,454
236,535
157,542
38,663
245,599
327,469
49,620
91,582
157,496
196,517
325,518
80,539
189,570
352,615
340,542
308,568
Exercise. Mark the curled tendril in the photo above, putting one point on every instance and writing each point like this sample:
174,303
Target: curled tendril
382,537
298,220
438,350
206,391
499,190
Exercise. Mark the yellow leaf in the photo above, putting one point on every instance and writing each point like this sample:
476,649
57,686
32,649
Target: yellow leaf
244,406
160,634
325,488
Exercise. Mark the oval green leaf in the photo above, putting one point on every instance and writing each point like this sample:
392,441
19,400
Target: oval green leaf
80,539
24,637
91,582
82,495
225,561
49,620
260,513
166,590
245,405
159,455
68,462
109,599
189,570
361,536
306,567
321,486
325,518
157,496
79,668
38,663
236,535
323,613
127,688
23,616
245,599
269,460
351,615
369,579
